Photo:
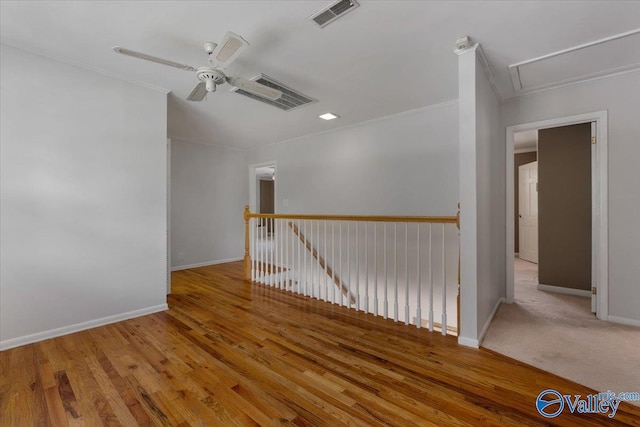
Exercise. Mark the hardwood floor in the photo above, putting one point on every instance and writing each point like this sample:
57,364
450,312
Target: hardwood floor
227,353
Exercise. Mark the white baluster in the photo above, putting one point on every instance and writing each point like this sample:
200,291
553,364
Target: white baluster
340,257
299,263
252,248
276,255
395,269
366,267
406,273
444,283
326,269
375,269
349,263
272,254
304,255
333,261
419,305
430,279
357,270
386,301
317,261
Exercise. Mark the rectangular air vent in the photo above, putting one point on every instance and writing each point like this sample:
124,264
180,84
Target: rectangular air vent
333,12
289,100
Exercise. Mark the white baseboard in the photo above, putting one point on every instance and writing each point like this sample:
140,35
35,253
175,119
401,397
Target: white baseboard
468,342
485,328
623,321
65,330
566,291
205,264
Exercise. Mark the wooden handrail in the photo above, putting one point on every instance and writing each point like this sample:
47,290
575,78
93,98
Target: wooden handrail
338,282
364,218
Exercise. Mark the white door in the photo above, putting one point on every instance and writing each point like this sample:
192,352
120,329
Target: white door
528,206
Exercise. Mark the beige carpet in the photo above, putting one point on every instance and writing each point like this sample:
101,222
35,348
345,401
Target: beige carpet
558,333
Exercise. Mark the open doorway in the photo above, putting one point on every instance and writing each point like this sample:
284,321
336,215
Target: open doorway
262,199
592,259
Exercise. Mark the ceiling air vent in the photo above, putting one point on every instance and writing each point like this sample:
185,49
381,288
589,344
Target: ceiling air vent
333,12
289,100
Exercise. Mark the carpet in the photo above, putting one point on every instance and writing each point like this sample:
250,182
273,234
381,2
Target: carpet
559,334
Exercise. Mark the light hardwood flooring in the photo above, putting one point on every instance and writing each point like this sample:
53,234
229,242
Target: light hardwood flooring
228,353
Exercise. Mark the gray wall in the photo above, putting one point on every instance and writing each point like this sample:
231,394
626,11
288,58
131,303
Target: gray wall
620,96
83,187
564,206
405,164
491,198
209,188
519,159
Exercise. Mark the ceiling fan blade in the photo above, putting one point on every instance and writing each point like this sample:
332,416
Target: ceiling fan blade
228,50
155,59
255,88
198,93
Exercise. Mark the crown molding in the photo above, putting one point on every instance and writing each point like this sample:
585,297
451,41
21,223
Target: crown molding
79,64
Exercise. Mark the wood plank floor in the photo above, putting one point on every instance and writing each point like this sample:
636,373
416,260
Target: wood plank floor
227,353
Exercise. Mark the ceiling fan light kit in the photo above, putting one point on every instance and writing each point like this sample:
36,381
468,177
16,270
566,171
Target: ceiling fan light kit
220,56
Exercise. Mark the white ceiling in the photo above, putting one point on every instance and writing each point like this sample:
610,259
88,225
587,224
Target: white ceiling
382,58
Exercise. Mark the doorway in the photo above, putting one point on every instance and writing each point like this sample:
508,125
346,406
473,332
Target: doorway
262,199
597,247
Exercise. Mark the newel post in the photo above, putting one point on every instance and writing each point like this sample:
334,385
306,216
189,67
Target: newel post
459,249
247,257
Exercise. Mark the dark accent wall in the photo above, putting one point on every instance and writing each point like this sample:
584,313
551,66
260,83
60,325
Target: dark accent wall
564,206
519,160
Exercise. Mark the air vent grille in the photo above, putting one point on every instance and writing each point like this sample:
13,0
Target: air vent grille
333,12
289,100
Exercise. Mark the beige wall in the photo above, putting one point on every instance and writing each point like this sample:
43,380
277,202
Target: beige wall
519,160
564,204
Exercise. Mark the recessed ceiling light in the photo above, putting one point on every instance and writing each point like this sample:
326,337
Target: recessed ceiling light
328,116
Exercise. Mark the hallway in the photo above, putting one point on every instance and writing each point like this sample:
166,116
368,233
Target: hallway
558,333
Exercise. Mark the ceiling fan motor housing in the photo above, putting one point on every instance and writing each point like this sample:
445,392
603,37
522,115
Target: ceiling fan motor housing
211,77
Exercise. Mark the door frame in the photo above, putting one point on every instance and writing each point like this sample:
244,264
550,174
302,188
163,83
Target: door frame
599,204
252,186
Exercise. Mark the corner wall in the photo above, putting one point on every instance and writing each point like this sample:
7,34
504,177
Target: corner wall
482,200
209,188
83,188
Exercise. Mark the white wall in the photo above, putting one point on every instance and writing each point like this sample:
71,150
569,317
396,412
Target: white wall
482,199
491,197
209,188
620,96
406,164
83,188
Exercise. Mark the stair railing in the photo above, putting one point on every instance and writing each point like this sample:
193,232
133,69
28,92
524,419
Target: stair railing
395,266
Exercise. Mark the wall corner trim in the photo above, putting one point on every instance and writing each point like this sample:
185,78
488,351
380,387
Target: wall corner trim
206,263
66,330
468,342
485,328
623,321
563,290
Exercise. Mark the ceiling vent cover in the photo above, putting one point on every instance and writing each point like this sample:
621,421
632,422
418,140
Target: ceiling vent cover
333,12
290,99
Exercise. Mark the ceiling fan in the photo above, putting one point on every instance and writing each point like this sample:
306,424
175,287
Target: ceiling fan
220,56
